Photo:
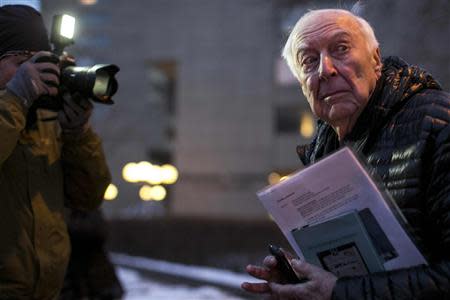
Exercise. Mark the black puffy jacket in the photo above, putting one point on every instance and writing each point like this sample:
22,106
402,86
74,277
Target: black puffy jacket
404,133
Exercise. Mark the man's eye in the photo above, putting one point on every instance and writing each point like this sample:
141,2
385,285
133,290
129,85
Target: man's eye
309,60
342,48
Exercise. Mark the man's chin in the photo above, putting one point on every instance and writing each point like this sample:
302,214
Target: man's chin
341,113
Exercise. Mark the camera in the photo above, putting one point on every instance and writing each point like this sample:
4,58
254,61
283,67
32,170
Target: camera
94,82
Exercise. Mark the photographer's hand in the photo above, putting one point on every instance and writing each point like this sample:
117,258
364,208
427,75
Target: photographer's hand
66,60
34,79
74,117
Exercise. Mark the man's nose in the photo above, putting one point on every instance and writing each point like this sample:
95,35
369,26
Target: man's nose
326,68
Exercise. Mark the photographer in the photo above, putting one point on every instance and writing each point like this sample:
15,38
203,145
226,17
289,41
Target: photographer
48,160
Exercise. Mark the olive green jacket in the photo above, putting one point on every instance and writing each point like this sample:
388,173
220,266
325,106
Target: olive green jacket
41,172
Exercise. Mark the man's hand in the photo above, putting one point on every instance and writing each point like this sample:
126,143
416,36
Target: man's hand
268,272
319,286
320,283
74,117
34,79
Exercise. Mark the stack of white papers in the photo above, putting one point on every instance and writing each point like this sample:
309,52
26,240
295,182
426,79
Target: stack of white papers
333,186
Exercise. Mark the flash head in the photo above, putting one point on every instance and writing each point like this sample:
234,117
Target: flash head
63,29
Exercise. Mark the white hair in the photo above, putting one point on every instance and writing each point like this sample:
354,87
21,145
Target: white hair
290,50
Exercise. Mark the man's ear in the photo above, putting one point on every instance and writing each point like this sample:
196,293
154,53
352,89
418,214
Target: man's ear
377,62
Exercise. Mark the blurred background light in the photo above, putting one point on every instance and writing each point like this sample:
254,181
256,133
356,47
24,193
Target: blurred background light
144,171
88,2
273,178
169,174
129,172
307,127
155,193
111,192
158,193
146,193
152,175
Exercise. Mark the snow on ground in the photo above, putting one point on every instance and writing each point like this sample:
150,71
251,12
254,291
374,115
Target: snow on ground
141,288
208,275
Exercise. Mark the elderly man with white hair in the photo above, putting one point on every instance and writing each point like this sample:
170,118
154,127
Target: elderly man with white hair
395,115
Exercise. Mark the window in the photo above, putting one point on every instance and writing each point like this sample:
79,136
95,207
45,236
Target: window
162,76
291,120
287,119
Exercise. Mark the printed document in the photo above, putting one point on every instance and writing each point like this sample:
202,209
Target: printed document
333,186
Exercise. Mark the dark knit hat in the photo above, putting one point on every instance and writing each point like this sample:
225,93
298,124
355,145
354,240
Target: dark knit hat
22,28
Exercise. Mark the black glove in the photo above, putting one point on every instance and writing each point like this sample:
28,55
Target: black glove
34,79
75,115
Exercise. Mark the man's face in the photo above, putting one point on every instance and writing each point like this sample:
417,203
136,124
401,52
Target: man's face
337,71
9,63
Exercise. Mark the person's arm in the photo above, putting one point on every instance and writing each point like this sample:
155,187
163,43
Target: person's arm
423,282
30,81
12,122
86,174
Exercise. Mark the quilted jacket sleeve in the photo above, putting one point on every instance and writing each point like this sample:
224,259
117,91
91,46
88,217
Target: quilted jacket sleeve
12,122
86,174
424,282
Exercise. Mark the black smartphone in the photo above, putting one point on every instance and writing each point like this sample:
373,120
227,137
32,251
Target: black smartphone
284,265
